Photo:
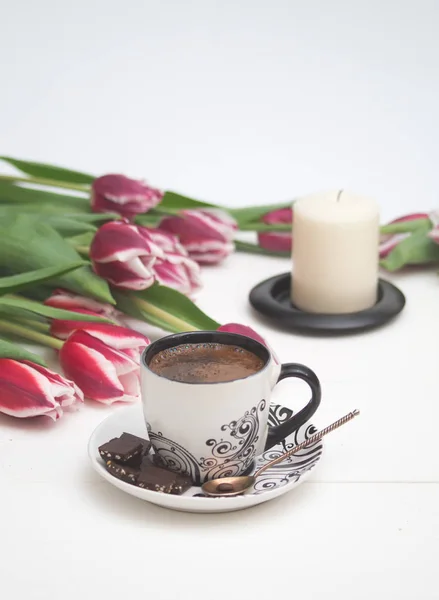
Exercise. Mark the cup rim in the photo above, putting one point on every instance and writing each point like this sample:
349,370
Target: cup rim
220,337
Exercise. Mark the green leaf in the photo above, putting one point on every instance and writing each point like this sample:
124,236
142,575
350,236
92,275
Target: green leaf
65,224
148,219
45,210
11,193
17,306
174,201
27,243
9,350
255,213
255,249
417,249
13,283
165,308
406,226
258,226
47,171
94,217
68,227
83,239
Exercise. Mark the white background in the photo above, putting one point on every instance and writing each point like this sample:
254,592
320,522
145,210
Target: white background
239,102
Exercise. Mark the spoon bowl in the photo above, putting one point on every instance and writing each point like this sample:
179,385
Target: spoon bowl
228,486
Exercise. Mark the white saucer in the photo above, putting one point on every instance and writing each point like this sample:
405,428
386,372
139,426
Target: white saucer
276,481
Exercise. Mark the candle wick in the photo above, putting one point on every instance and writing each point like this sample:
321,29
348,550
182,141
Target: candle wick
339,194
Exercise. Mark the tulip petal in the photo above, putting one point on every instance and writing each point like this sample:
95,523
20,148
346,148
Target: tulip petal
92,371
180,273
118,241
121,361
120,338
206,234
282,215
74,302
207,223
248,332
124,255
132,276
434,234
242,330
123,195
28,392
276,241
211,252
131,386
66,392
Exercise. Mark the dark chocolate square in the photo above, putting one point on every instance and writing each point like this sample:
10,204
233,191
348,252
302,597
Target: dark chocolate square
157,479
123,472
128,449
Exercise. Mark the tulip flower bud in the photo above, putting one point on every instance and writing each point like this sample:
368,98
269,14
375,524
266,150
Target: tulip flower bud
175,269
277,241
30,390
124,255
207,234
105,362
76,303
434,233
122,195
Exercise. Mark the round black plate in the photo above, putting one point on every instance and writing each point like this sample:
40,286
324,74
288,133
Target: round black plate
271,298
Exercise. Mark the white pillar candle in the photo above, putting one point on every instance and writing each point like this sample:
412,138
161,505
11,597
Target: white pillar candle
335,253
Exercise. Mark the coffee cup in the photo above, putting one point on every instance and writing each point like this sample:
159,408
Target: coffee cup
216,429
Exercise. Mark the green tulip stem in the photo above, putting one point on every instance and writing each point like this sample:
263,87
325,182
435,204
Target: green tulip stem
83,250
30,334
259,226
152,310
47,182
36,325
241,246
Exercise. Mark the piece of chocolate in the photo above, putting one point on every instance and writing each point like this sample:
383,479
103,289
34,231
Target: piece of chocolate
124,472
128,449
157,479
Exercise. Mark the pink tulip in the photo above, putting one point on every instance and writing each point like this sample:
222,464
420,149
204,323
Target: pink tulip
105,363
277,241
30,390
248,332
388,242
122,195
434,234
124,255
69,301
207,234
62,328
176,269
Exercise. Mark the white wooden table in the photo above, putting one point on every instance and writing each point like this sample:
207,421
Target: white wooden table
365,525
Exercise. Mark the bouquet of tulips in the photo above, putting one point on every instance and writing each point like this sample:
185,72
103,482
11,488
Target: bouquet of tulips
85,259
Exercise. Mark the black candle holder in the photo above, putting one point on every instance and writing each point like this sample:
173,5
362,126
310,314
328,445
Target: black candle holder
271,298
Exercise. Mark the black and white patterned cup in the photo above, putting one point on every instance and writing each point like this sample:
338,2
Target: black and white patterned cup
210,430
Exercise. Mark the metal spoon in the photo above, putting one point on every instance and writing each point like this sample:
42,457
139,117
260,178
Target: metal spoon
234,486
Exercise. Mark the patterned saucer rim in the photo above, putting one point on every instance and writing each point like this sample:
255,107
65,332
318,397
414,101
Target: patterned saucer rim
275,482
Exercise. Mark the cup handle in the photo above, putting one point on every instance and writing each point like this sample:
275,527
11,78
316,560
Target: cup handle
278,433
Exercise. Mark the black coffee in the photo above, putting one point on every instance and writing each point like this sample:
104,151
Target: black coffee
205,363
